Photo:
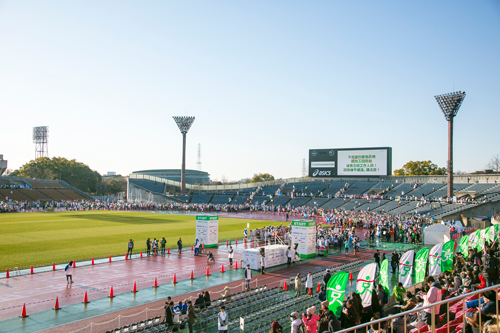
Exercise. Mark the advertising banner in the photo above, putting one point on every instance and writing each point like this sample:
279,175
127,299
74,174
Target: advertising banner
304,234
464,246
384,276
207,230
335,291
447,256
421,264
435,259
406,268
364,284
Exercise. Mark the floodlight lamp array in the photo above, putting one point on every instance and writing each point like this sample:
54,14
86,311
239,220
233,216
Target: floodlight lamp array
184,123
40,134
450,103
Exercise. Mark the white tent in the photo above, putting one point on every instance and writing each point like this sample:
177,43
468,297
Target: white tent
436,233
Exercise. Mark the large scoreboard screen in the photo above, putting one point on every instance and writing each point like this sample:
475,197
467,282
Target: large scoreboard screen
365,162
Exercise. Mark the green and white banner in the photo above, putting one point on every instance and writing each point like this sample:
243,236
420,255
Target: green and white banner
464,246
472,240
447,256
335,291
435,259
478,240
421,264
490,234
364,284
406,268
384,275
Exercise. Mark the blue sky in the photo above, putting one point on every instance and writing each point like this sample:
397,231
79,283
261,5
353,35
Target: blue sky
266,80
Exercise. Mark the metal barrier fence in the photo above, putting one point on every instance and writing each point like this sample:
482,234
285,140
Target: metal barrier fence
431,308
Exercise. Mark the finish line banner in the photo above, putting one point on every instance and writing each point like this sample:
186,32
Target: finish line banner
363,162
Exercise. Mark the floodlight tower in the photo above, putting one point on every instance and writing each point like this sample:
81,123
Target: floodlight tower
450,104
41,141
184,124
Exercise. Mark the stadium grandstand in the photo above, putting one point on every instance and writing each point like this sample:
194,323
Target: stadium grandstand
24,189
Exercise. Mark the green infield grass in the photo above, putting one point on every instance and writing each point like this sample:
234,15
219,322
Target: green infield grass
43,238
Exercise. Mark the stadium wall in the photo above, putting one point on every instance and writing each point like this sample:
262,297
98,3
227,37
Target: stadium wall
138,194
485,209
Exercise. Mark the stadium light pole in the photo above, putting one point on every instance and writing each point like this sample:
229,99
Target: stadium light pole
184,124
450,104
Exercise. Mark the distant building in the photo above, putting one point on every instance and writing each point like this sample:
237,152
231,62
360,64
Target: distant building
485,172
193,177
111,173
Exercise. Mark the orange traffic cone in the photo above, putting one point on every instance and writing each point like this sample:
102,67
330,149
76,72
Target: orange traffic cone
85,299
23,314
245,240
319,288
7,274
126,256
222,269
92,260
109,258
350,275
168,250
192,247
208,272
227,243
56,306
192,275
175,279
310,291
236,267
156,283
236,241
111,294
135,287
31,269
53,266
74,263
141,254
285,287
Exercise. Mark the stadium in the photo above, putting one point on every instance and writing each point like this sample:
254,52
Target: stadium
388,228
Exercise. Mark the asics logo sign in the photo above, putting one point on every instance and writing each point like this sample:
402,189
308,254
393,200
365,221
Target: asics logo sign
317,173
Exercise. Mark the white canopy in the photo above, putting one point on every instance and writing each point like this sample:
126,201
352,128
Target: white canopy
436,233
458,226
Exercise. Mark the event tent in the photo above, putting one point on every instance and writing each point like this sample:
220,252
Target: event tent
436,233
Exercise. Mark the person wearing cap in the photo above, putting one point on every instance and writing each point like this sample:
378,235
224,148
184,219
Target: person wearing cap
488,309
310,319
227,294
296,322
327,277
327,320
222,320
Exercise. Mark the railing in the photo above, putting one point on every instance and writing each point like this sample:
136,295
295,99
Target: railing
433,314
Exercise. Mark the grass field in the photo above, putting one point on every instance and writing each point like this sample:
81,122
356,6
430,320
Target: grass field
38,238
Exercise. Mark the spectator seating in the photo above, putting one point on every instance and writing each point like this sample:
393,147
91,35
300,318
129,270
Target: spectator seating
408,208
14,195
359,188
390,206
259,200
334,203
334,188
183,198
370,206
298,202
354,203
221,199
201,198
278,201
425,189
443,191
149,185
239,199
316,202
477,188
397,190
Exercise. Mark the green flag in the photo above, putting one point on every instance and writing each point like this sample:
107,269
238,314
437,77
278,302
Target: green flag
478,240
447,256
497,230
488,234
335,292
421,264
464,246
384,276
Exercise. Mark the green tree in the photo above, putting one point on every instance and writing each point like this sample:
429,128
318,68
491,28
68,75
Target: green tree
114,186
72,172
420,168
261,177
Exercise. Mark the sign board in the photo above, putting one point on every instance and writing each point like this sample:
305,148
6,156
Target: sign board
325,163
304,234
275,255
242,323
207,230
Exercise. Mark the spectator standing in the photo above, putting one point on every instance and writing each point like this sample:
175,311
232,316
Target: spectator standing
309,283
222,319
376,256
327,277
227,294
248,277
206,297
289,256
298,284
310,319
169,314
148,246
230,255
276,327
69,272
433,296
200,301
191,316
163,243
296,322
322,294
179,245
130,248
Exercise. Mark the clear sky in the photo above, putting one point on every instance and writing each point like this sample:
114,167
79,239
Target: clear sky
266,81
